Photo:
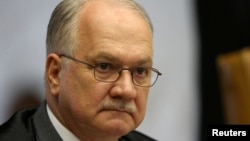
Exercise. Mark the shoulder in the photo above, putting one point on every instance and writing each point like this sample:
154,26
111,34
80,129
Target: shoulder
136,136
19,126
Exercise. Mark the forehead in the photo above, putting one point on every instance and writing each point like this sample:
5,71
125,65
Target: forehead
111,27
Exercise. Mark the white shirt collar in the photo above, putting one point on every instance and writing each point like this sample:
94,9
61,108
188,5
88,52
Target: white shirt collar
64,133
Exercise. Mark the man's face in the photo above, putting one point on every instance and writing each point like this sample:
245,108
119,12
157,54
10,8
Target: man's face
111,35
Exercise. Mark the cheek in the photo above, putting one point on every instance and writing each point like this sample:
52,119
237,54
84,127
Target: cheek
82,93
141,103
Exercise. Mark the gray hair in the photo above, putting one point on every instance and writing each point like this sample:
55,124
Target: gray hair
62,28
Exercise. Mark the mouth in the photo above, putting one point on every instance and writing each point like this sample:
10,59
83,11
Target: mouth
118,110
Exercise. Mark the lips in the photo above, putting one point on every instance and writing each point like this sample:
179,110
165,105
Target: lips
118,110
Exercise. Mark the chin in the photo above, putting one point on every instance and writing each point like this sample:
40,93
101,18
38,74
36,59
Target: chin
115,123
118,128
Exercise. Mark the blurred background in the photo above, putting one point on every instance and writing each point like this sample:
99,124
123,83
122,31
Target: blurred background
188,37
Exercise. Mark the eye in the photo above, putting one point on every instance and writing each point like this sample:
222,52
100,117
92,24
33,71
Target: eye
141,71
104,67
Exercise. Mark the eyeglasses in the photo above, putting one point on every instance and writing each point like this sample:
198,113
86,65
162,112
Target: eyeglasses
110,73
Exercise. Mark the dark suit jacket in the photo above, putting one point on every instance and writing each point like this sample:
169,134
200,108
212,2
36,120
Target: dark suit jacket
34,125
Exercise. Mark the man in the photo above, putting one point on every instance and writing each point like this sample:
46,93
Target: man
98,75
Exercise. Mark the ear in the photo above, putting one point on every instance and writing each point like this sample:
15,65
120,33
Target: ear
53,68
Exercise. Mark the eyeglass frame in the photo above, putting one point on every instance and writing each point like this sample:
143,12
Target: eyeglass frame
119,72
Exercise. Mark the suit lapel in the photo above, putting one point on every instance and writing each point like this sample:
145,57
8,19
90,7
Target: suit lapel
43,127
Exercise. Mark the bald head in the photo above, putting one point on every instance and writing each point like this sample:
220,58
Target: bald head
109,17
62,29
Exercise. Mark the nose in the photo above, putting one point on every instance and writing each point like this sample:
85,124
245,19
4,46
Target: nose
124,86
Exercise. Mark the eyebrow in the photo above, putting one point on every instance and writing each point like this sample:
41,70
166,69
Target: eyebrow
112,58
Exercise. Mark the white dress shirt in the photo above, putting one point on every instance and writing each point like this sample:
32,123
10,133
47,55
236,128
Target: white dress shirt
64,133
